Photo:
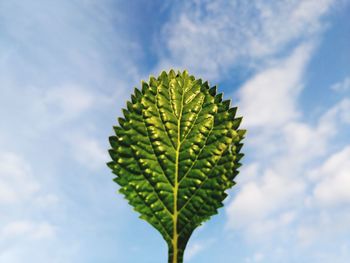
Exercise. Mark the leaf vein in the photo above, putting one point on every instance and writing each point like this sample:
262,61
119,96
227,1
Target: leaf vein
155,215
194,123
205,180
200,151
153,189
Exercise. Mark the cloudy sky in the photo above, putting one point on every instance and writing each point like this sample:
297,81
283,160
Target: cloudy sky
68,66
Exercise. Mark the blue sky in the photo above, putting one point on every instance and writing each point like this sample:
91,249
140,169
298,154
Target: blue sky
66,70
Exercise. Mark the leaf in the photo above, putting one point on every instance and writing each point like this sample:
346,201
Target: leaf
175,153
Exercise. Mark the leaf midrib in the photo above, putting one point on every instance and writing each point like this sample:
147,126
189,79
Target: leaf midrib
176,184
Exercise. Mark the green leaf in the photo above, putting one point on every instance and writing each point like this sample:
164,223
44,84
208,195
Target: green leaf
175,153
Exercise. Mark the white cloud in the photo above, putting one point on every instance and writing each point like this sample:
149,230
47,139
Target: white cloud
273,201
23,201
17,183
315,140
46,43
250,171
339,113
63,66
70,100
341,86
257,257
193,250
333,179
259,199
54,69
269,98
196,247
47,200
322,226
87,150
208,37
281,183
28,230
21,189
31,241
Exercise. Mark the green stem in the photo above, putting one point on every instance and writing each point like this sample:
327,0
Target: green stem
175,256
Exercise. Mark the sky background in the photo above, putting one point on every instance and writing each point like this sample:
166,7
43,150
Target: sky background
67,68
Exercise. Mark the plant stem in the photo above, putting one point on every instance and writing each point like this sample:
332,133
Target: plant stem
175,256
